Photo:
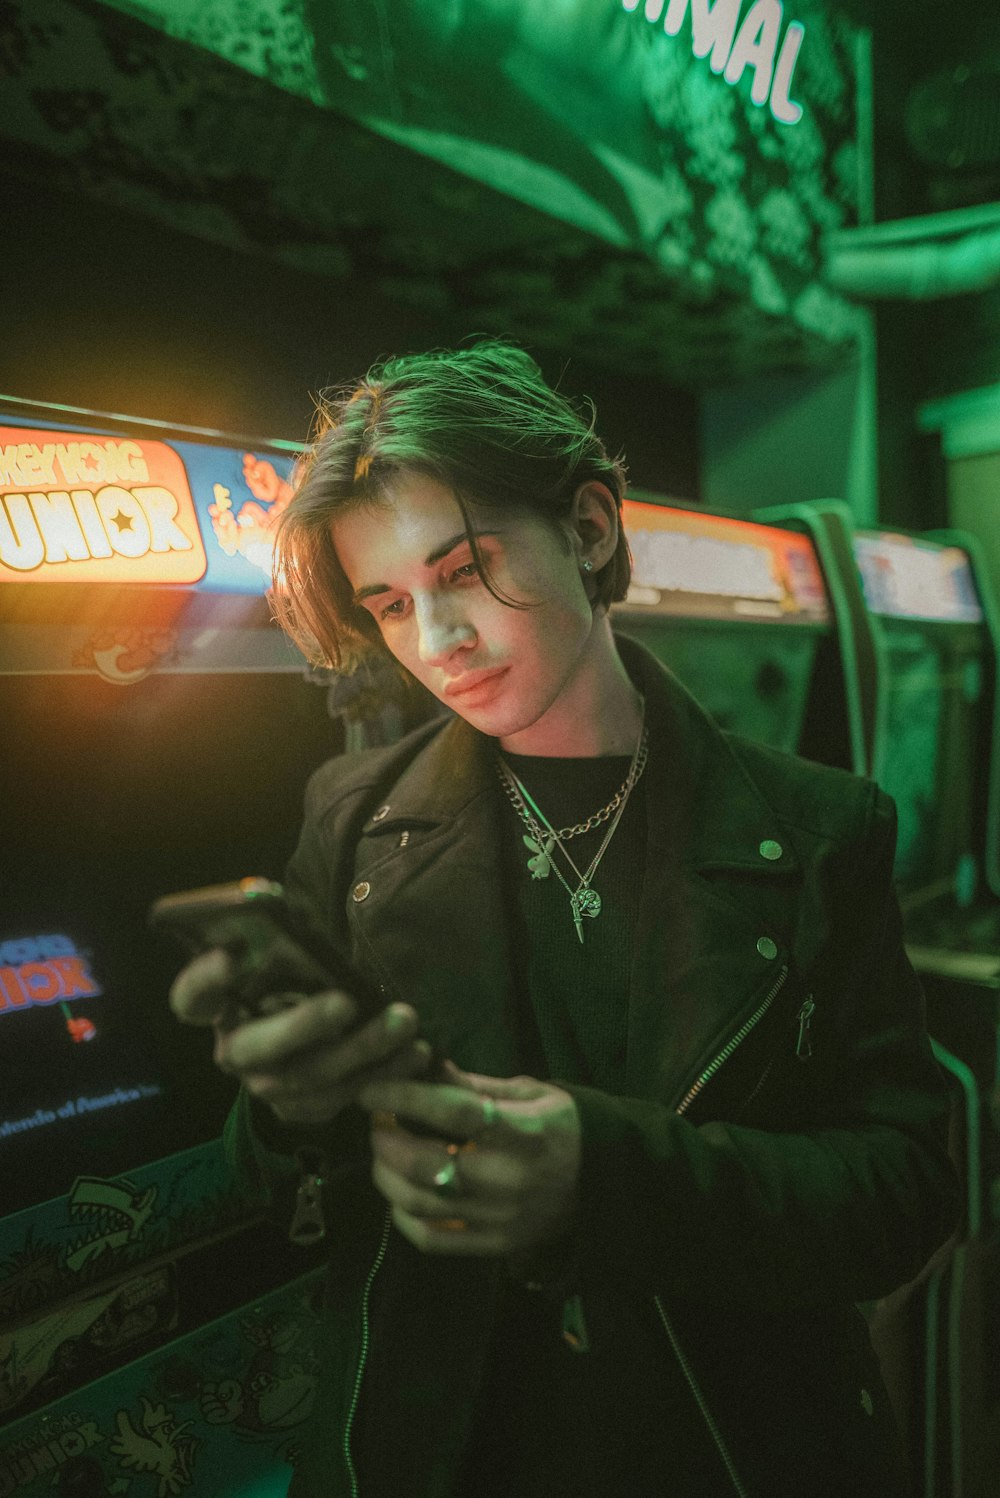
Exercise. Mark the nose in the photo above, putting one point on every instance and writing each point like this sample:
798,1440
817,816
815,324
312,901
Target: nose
442,628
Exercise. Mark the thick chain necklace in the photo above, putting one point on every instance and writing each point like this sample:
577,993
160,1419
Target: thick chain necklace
544,840
515,790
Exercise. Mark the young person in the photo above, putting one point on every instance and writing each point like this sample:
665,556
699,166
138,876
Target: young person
688,1114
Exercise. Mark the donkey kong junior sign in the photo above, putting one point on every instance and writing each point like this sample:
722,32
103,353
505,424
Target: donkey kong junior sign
95,509
733,44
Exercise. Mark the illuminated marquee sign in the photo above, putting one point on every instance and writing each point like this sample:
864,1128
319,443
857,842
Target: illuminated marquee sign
42,970
907,577
733,45
697,565
78,508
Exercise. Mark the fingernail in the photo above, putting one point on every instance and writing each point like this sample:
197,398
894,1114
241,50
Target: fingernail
397,1017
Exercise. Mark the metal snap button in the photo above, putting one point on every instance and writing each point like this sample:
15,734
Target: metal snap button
381,814
770,850
361,891
766,947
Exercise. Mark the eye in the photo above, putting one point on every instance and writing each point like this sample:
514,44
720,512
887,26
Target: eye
467,571
392,610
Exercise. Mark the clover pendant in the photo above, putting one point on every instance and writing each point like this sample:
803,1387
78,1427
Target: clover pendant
541,864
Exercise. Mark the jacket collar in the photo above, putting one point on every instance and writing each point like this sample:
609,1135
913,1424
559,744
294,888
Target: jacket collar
428,920
702,805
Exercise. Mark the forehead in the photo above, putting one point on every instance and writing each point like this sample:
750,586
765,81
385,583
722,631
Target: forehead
415,516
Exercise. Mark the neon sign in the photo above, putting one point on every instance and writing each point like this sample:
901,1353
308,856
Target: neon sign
42,970
95,509
732,46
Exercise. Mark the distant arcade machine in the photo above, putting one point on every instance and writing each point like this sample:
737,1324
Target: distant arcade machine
158,731
937,637
748,620
937,752
923,648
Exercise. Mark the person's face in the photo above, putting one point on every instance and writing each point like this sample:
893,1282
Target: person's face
502,669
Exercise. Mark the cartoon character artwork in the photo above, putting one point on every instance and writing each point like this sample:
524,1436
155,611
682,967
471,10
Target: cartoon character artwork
279,1386
13,1384
117,1211
28,1278
158,1445
249,532
84,1336
125,654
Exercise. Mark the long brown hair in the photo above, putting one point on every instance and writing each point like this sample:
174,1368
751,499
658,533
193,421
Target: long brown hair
480,420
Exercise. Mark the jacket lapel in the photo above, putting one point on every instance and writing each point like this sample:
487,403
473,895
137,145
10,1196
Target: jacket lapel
704,954
428,914
432,922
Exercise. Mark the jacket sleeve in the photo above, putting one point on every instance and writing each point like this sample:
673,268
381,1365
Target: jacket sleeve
267,1156
841,1192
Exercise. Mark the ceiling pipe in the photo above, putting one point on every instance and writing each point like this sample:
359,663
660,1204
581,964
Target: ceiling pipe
940,255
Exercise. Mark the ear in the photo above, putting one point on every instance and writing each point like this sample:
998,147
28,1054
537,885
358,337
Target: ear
594,524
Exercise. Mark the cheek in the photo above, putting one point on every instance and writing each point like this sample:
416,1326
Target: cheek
549,641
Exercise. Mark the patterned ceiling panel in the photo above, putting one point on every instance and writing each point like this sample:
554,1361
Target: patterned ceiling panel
615,200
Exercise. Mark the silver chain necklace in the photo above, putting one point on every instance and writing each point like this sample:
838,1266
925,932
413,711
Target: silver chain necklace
584,901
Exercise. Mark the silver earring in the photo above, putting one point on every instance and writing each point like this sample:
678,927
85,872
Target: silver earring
588,566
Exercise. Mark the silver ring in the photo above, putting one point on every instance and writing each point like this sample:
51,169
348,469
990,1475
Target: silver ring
491,1113
446,1182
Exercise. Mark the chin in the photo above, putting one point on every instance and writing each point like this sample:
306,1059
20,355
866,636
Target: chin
508,723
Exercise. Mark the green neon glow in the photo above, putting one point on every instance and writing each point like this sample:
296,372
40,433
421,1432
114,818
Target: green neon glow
731,46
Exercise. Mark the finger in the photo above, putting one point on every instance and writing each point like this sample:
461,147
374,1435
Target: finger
309,1110
408,1061
490,1174
350,1059
424,1202
201,991
440,1237
514,1089
316,1080
375,1042
266,1044
452,1112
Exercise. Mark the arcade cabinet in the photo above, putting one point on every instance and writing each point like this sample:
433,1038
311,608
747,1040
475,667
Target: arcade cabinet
748,619
158,733
923,643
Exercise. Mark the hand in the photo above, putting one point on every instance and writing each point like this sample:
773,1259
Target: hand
515,1182
305,1056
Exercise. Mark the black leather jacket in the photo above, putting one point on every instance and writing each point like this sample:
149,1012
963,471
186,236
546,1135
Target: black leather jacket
779,1155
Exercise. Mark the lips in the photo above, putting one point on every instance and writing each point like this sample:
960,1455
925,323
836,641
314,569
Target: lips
473,684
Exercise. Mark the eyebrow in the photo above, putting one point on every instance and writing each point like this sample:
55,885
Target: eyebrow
437,555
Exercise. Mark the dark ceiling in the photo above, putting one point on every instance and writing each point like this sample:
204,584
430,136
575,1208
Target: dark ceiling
99,103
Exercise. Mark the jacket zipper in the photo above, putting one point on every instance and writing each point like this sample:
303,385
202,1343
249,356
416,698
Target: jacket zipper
682,1107
308,1225
741,1035
362,1360
803,1046
706,1413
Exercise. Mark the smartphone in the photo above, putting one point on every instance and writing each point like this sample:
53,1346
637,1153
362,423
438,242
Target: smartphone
276,949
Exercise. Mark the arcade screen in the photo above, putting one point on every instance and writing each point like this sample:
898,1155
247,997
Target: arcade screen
157,735
702,582
932,700
77,1068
